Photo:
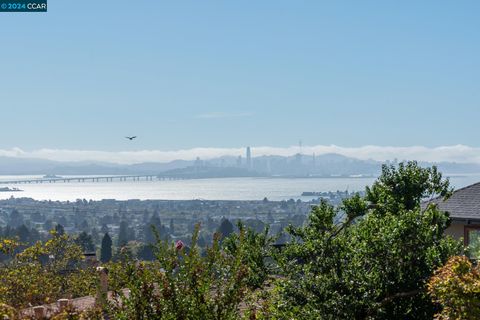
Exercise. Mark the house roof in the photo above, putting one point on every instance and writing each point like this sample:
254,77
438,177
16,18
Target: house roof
463,204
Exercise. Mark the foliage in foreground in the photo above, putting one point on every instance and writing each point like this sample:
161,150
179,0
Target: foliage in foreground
456,287
183,284
44,273
376,262
254,249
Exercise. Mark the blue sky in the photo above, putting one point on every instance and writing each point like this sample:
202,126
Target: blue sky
226,74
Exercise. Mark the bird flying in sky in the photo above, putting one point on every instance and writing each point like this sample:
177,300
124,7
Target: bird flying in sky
130,138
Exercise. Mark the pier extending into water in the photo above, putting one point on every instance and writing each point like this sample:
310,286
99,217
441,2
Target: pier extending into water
91,179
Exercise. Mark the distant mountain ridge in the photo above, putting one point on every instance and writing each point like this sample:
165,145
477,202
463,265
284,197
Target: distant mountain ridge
297,165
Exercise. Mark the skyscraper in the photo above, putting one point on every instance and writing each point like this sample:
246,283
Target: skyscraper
239,161
249,158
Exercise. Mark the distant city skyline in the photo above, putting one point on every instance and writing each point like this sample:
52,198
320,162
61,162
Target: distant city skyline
219,74
454,153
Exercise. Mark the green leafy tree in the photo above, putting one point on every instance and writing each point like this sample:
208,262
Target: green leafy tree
23,234
154,224
376,262
85,241
122,234
106,248
225,228
254,248
44,272
145,253
15,219
181,283
59,230
404,187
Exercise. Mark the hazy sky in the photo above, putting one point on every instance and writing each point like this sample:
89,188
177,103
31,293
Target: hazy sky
184,74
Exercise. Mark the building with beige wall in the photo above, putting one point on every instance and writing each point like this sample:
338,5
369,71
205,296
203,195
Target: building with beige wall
464,210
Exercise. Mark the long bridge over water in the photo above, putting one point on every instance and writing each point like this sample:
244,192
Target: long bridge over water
91,179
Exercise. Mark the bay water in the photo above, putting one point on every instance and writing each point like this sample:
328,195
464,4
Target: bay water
208,189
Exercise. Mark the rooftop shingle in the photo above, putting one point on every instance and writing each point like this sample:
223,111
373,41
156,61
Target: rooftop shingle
463,204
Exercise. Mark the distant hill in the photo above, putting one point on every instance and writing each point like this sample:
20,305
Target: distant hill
20,166
294,166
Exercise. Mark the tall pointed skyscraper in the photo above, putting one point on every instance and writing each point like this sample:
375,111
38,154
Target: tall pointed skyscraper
249,158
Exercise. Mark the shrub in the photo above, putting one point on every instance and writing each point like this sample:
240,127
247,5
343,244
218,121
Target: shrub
45,272
254,248
456,288
181,283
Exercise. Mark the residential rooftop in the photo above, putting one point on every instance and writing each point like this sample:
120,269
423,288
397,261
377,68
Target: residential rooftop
464,204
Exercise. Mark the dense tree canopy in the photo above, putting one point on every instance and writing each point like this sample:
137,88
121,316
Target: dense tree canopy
44,272
225,228
106,249
85,241
376,261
